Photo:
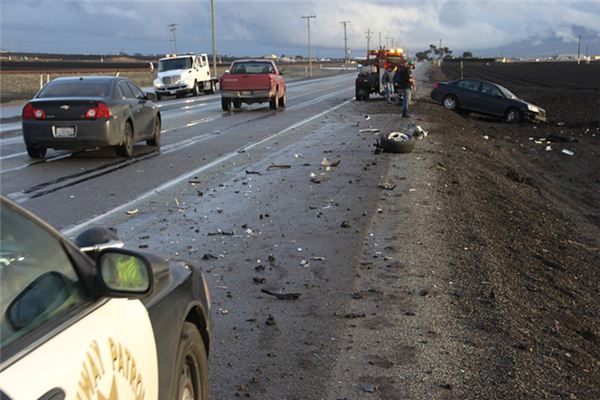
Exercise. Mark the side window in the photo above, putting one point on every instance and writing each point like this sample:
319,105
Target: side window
490,90
137,93
38,282
469,85
125,90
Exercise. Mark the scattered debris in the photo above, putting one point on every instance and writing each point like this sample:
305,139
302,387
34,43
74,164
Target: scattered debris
209,256
486,137
367,387
328,164
386,186
345,224
259,280
270,321
318,178
179,206
271,258
220,232
369,130
367,118
568,152
354,315
554,138
132,212
548,148
278,166
304,263
194,182
252,172
282,296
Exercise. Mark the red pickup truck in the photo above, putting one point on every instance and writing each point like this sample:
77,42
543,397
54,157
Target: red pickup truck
252,81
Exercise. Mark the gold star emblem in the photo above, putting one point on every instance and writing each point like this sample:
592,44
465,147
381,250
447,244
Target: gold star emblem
113,392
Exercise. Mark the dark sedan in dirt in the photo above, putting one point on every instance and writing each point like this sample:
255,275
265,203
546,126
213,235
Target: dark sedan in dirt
89,112
472,95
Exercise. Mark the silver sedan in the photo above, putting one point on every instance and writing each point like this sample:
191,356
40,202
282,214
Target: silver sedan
90,112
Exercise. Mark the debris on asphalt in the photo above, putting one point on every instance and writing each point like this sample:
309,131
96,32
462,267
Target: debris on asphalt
304,263
220,232
369,130
345,224
328,164
194,182
486,137
259,280
282,296
367,387
271,259
209,256
278,166
354,315
132,212
367,118
386,186
548,148
568,152
270,321
248,172
314,178
318,258
179,206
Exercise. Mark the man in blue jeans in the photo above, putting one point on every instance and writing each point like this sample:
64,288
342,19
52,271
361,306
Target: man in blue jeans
405,82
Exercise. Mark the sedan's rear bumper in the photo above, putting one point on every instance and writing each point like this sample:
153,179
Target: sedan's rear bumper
88,134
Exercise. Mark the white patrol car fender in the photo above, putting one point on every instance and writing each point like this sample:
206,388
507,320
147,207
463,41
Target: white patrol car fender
108,354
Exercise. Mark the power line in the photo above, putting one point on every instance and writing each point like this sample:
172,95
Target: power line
345,41
308,18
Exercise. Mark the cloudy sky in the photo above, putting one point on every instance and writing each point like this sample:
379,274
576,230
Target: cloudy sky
257,27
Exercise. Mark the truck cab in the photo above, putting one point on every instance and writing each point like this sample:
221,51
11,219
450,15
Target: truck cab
179,75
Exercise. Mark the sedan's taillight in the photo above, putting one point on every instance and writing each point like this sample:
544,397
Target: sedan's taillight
100,111
436,84
30,112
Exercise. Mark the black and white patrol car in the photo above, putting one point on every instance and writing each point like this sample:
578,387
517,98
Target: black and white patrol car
120,325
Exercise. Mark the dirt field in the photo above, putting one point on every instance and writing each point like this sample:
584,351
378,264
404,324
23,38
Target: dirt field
523,234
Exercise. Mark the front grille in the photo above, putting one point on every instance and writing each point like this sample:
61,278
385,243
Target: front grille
171,80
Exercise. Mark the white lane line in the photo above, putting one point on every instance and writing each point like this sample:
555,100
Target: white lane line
13,155
11,140
69,231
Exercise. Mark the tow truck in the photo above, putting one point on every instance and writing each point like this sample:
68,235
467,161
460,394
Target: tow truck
181,74
369,77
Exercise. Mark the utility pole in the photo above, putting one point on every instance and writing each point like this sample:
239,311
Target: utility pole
380,40
392,43
345,41
441,52
578,48
214,38
368,33
173,28
387,40
308,17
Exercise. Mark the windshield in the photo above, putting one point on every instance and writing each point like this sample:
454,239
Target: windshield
174,63
507,92
76,89
252,68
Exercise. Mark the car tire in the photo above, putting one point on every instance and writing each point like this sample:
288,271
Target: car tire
225,104
196,91
211,88
282,101
36,152
512,115
126,148
274,103
192,365
450,102
155,141
237,104
404,144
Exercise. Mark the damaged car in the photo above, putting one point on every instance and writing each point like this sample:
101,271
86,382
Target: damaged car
487,98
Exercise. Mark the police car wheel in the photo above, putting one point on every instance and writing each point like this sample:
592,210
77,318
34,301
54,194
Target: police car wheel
192,365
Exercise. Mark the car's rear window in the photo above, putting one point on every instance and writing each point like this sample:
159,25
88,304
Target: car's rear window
76,89
252,68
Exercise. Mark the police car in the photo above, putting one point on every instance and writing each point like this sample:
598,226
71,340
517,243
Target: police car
121,325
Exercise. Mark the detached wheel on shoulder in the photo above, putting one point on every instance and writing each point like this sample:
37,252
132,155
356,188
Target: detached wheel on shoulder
192,365
397,142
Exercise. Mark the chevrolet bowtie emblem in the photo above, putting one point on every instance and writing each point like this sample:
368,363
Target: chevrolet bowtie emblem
65,107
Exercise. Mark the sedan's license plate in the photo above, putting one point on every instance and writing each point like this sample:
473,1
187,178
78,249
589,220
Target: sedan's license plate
64,131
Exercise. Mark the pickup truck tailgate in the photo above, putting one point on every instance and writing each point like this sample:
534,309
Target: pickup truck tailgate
239,82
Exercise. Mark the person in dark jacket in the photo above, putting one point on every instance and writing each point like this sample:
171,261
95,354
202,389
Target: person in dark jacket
406,84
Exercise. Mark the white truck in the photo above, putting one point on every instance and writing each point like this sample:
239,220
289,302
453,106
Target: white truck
181,74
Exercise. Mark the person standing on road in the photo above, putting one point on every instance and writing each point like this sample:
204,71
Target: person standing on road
387,80
406,84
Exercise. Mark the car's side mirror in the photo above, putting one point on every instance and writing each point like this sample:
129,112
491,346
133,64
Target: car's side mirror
40,298
151,96
125,273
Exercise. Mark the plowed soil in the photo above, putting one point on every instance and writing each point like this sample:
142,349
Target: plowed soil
522,225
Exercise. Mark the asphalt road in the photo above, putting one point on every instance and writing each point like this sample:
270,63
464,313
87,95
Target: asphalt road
247,195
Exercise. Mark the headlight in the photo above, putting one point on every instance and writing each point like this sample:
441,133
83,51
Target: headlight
532,108
158,83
